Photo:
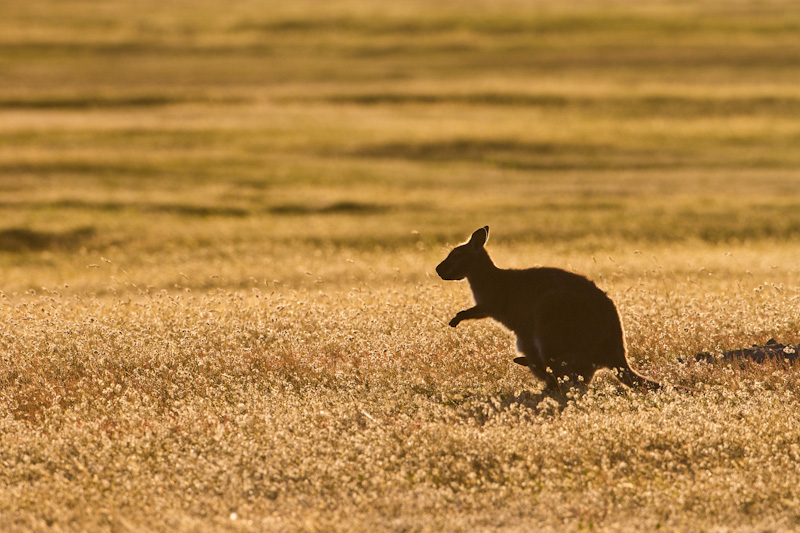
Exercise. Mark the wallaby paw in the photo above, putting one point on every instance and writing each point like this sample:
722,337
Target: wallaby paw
454,322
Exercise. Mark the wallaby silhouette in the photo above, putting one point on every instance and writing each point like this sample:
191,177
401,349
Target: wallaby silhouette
565,325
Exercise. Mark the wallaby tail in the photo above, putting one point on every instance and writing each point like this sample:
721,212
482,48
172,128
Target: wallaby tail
632,379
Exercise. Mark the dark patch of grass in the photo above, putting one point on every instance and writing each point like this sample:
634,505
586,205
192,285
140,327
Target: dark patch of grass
468,149
511,153
92,168
702,106
103,101
88,102
541,24
132,49
668,105
719,226
580,205
193,210
194,170
345,207
482,98
143,207
26,239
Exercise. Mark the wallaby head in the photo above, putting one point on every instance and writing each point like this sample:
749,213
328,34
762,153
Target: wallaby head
464,259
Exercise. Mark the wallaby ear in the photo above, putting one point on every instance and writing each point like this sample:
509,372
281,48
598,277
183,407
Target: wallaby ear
480,237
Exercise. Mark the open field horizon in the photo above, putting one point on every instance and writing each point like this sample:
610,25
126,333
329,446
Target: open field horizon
218,304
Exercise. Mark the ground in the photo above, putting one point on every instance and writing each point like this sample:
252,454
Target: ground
218,308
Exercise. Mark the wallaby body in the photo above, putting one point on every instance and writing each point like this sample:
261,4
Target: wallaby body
565,325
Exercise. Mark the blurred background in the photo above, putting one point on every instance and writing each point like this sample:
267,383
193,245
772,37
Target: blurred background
209,140
219,222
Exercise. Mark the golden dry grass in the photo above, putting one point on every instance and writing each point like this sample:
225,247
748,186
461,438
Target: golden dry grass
218,310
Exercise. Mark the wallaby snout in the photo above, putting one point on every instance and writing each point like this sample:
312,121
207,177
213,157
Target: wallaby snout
444,272
453,268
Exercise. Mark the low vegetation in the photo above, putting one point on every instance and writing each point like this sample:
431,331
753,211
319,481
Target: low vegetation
218,309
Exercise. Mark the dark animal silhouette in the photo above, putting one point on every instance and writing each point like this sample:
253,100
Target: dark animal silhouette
565,325
772,351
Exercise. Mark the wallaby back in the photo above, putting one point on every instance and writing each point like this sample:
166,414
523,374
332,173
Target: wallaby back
565,325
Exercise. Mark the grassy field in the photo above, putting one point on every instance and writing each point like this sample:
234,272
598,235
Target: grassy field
218,308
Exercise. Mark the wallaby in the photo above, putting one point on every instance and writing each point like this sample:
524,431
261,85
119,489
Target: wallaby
565,325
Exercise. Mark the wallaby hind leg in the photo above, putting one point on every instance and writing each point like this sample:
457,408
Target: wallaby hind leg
533,360
568,341
578,334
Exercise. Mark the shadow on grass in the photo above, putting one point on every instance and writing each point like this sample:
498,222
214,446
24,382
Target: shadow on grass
99,101
351,208
480,409
143,207
26,239
512,153
646,105
195,210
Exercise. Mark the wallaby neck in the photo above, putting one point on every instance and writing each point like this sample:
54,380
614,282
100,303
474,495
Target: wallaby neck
483,273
